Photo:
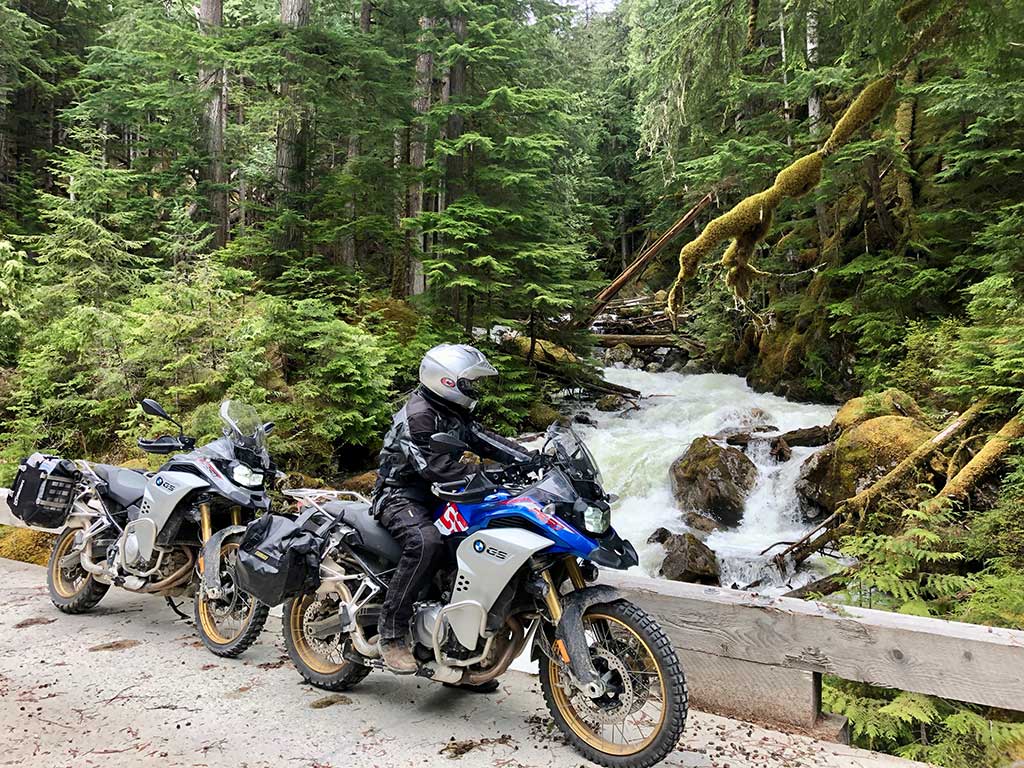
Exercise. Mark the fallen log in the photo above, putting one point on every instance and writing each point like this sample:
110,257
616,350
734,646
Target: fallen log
826,532
959,485
559,363
823,586
650,340
645,257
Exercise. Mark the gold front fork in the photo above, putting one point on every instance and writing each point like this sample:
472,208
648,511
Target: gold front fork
551,597
205,523
236,515
575,574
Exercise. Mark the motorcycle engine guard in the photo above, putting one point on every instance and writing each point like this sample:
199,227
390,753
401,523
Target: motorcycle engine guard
211,560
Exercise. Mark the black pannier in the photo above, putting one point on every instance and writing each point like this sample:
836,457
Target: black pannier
277,559
44,490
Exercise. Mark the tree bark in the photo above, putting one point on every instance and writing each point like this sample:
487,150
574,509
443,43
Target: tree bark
752,9
906,114
874,184
814,114
214,81
348,241
958,487
415,280
290,161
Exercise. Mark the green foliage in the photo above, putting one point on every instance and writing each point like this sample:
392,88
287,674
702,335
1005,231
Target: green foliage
923,728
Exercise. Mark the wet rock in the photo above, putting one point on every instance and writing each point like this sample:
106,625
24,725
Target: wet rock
808,437
701,524
712,480
891,402
687,558
694,367
610,403
675,359
583,418
746,422
861,456
620,353
780,450
541,416
652,367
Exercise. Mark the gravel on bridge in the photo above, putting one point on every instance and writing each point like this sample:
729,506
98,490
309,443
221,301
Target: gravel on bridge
129,685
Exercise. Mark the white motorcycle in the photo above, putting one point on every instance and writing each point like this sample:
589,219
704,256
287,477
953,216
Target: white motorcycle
171,533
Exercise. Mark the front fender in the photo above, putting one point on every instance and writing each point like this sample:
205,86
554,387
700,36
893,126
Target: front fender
570,629
211,559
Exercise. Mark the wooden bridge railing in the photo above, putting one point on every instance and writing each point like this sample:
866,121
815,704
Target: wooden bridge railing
758,657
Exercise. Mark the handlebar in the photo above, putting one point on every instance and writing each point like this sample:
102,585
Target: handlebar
166,444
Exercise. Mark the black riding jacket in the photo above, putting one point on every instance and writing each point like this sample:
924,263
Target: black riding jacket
409,464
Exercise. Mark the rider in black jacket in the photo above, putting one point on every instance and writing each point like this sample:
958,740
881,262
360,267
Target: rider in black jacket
410,463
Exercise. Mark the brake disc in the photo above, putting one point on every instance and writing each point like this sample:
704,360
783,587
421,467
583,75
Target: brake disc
611,707
332,650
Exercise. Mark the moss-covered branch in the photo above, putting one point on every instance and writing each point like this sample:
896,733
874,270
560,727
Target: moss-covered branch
749,221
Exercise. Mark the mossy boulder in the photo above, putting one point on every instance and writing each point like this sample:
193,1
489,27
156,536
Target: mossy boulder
609,403
620,353
891,402
712,480
541,416
25,545
687,558
362,483
861,456
543,351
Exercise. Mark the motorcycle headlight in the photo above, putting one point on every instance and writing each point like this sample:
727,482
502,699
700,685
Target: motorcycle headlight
597,520
244,475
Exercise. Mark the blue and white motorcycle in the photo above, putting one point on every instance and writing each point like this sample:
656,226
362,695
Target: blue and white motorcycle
524,542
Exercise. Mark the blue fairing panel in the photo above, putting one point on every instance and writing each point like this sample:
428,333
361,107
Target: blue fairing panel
464,519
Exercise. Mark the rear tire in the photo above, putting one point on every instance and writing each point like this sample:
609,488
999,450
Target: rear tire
207,613
72,590
623,639
330,674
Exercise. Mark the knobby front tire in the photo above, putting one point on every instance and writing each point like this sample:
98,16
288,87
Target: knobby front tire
216,620
640,721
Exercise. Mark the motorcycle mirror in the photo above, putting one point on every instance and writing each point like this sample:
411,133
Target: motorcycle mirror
152,407
268,427
442,441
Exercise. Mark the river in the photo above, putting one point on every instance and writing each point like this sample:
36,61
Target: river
634,452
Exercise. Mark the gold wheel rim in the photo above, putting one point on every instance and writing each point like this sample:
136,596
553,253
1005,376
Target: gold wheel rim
309,657
207,618
62,586
576,721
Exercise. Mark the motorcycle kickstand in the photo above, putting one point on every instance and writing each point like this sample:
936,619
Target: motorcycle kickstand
174,607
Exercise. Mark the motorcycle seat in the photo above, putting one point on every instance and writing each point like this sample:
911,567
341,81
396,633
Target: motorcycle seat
373,535
125,486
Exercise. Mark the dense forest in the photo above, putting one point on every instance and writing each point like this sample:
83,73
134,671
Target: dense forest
288,201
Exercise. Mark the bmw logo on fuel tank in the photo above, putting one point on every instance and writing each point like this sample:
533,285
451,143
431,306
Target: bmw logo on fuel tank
478,545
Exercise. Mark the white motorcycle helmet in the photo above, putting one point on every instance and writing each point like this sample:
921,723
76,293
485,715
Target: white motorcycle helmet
451,371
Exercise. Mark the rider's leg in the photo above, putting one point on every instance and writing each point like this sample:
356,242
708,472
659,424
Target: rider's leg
412,525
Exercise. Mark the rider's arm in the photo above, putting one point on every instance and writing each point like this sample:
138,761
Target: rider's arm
491,445
432,465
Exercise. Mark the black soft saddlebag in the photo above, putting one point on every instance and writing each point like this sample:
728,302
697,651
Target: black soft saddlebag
277,559
44,490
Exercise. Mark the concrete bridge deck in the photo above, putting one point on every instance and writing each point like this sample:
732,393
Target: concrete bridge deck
130,685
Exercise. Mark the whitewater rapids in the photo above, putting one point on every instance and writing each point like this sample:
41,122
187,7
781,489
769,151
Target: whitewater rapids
635,452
